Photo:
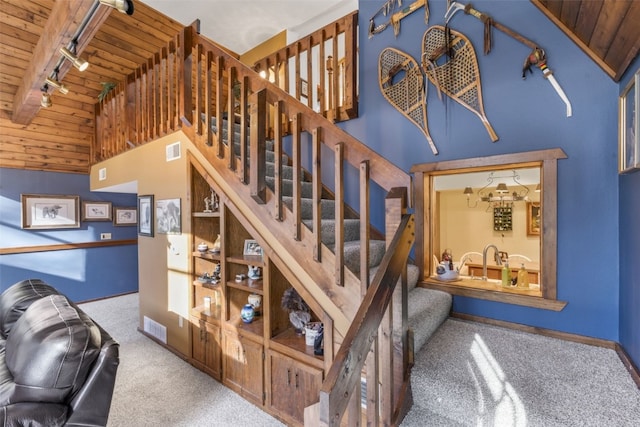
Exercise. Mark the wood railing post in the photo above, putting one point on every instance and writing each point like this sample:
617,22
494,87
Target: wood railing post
185,64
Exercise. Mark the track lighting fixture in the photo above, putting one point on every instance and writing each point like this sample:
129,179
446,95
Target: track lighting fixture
124,6
46,98
79,63
55,83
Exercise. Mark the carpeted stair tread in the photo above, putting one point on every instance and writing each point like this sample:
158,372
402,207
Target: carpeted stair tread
287,187
327,207
352,254
351,230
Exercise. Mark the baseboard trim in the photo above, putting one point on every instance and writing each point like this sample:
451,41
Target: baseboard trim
166,346
598,342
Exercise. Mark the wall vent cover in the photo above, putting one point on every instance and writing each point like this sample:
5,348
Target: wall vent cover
173,151
102,174
155,329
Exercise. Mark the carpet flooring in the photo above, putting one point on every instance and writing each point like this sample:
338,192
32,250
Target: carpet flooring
467,374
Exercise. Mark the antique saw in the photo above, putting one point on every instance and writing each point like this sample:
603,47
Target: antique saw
536,57
396,17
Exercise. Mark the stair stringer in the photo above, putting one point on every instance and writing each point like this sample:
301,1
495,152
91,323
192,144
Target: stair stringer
317,278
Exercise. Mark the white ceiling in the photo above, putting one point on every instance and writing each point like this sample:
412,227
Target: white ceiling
240,25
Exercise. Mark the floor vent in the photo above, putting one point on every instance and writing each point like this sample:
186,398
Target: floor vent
155,329
173,151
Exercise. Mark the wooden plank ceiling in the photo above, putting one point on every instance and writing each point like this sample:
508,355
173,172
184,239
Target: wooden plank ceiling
606,30
59,138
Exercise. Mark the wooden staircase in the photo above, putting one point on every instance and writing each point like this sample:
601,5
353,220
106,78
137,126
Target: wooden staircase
326,252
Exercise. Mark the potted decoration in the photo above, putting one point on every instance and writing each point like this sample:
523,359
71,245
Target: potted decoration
298,310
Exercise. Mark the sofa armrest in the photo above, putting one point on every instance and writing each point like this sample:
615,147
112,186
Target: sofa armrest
90,406
34,414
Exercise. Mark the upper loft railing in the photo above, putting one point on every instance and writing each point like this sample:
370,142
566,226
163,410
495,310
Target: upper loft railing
320,70
228,111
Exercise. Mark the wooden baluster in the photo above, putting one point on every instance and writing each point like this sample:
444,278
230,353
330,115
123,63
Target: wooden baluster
286,70
336,74
309,73
339,213
257,172
157,85
317,192
244,115
349,101
297,176
219,104
277,151
164,129
151,99
364,225
322,95
198,115
297,71
185,57
144,125
172,88
231,118
208,105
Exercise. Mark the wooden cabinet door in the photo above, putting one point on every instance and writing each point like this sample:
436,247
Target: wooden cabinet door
280,394
253,383
213,351
243,367
198,340
233,363
307,382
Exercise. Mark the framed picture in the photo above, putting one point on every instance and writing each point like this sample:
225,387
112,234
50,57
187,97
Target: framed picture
40,211
168,219
96,211
629,127
304,88
125,216
145,216
252,248
533,219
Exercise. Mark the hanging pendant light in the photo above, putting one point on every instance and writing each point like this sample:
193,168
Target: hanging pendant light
123,6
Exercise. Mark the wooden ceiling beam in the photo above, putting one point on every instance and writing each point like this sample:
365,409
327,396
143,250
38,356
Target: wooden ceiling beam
63,23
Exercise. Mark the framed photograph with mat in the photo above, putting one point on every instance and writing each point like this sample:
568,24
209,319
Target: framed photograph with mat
41,211
125,216
168,216
145,215
629,127
96,211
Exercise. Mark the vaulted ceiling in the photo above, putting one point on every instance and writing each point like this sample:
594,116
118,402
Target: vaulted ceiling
59,138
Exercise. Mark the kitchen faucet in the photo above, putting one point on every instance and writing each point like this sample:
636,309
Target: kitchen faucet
496,255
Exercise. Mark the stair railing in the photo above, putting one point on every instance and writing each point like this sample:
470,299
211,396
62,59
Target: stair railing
322,67
193,81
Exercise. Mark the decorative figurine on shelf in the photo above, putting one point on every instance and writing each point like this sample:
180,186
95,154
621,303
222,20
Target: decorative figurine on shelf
247,313
254,272
211,203
203,247
216,271
256,301
298,309
216,246
204,278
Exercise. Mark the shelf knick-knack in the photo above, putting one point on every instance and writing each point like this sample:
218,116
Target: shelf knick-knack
247,313
254,272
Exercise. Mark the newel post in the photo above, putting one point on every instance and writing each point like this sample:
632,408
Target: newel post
396,204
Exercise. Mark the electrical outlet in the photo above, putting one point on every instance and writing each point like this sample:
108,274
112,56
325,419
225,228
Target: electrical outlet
180,321
105,236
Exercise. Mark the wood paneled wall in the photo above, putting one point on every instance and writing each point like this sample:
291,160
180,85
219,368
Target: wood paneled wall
59,138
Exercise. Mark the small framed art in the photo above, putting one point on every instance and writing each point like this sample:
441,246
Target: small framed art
125,216
145,215
40,211
533,219
168,216
629,127
96,211
252,248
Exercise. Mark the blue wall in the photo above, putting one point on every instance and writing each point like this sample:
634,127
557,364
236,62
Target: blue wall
630,253
527,115
81,274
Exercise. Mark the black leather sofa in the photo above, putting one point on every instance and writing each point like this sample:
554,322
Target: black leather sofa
57,366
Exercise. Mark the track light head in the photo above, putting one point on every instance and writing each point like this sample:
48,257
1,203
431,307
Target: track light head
54,83
79,63
124,6
46,99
